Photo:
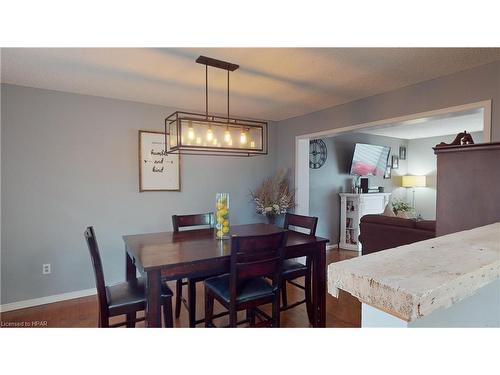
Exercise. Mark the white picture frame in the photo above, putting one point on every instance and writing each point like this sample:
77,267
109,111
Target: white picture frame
158,171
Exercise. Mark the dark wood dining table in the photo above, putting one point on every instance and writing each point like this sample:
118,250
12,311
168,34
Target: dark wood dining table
197,253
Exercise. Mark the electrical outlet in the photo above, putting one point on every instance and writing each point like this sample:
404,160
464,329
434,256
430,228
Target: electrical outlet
46,269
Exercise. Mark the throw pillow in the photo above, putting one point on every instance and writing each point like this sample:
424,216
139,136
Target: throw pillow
388,211
403,215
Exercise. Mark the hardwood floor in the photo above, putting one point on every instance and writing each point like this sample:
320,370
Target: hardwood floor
82,312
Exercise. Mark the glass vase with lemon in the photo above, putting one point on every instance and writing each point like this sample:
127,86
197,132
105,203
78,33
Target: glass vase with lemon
222,215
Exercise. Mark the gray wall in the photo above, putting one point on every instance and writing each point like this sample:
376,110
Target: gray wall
333,177
422,161
473,85
69,161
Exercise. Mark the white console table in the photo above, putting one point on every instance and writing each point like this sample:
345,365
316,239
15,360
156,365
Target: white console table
352,208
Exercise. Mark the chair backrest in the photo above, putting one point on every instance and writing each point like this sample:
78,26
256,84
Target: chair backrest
306,222
179,221
98,271
257,256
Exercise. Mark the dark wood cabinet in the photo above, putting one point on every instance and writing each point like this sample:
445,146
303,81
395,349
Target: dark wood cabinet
468,186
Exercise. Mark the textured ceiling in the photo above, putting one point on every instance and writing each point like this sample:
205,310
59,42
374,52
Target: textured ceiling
271,84
471,121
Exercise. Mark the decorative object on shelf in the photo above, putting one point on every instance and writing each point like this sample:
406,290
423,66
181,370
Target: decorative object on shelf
387,174
222,216
158,171
205,134
402,152
273,197
394,162
402,209
460,140
318,153
413,182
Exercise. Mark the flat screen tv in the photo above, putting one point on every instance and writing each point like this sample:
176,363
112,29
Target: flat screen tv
369,160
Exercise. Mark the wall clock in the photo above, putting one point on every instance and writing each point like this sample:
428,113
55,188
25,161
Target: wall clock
317,153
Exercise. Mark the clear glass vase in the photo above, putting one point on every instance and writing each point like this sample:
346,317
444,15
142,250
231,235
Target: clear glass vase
222,216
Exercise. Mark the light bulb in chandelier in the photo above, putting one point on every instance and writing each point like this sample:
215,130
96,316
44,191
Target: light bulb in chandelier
252,144
243,137
227,136
191,132
198,140
210,134
214,142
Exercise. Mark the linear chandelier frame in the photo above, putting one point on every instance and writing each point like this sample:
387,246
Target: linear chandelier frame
178,140
179,119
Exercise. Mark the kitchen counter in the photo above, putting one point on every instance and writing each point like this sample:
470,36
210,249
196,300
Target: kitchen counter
411,282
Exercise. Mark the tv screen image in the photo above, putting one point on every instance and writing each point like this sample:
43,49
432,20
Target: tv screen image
369,160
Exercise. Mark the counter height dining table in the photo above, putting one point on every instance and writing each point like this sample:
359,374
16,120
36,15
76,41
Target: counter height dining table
197,253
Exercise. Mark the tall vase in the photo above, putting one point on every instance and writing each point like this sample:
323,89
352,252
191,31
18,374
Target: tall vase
222,215
271,219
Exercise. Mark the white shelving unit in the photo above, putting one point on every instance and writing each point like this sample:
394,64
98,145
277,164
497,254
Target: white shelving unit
352,208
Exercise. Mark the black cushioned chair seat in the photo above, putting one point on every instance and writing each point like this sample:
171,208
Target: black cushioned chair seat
291,266
124,295
247,290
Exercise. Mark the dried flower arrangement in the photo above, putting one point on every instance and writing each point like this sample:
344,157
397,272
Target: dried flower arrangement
274,197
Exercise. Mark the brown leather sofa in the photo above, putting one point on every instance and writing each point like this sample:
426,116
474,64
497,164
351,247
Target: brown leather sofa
379,232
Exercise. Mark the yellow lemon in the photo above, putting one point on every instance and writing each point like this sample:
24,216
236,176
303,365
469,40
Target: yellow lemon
226,223
225,229
220,220
219,205
219,233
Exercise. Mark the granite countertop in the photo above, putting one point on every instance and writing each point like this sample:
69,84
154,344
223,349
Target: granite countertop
412,281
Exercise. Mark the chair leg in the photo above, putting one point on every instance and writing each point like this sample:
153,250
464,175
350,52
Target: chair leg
276,312
233,320
251,317
308,290
168,319
178,297
192,303
283,294
103,321
209,309
131,320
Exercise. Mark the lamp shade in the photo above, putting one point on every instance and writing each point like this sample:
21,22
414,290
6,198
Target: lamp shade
413,181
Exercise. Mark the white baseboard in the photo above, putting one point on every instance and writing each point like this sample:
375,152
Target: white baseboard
331,247
45,300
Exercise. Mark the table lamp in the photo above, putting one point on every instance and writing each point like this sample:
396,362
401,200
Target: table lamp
413,182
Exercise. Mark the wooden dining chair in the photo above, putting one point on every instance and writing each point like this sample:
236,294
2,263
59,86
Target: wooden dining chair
293,269
124,298
193,221
254,261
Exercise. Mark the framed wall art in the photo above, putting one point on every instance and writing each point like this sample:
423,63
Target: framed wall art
387,174
402,152
158,171
394,162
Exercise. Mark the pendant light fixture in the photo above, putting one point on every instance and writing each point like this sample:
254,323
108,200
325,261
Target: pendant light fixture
191,133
